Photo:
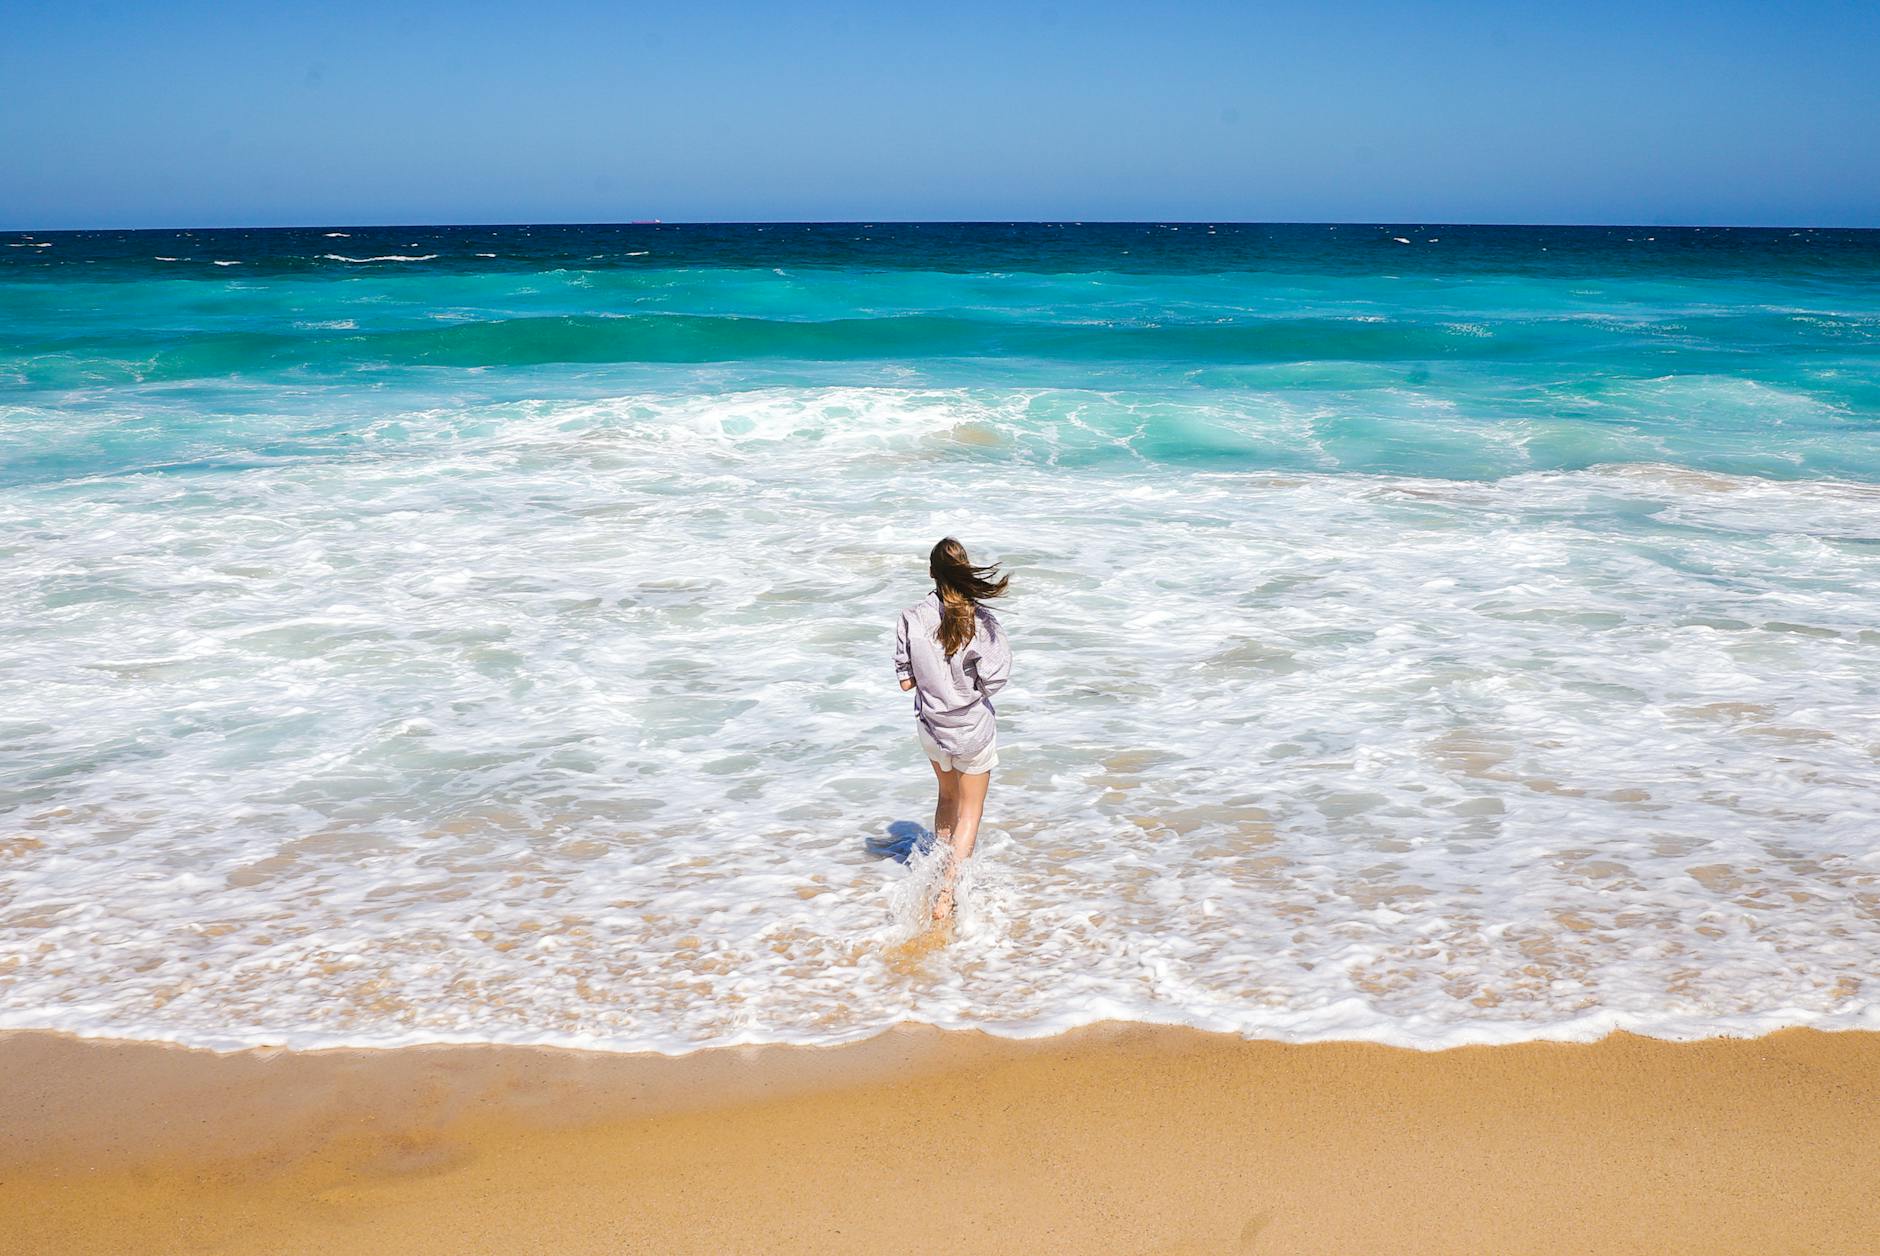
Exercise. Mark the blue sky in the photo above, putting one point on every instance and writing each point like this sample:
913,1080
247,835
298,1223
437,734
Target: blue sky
198,114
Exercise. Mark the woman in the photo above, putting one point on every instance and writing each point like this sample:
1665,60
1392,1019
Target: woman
952,653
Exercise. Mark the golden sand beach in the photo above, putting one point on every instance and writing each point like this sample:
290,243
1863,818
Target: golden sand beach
1114,1139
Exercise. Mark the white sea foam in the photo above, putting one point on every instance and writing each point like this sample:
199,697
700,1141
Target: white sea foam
388,257
221,263
568,723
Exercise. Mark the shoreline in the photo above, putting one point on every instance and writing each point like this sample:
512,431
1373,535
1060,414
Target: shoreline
1327,1026
1118,1137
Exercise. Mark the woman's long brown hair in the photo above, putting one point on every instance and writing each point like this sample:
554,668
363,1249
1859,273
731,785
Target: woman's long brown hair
962,586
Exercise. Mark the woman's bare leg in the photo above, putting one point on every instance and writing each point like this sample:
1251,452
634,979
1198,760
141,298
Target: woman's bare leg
969,804
946,802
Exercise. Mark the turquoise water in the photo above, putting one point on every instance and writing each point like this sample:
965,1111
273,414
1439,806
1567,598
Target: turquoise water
479,632
1467,352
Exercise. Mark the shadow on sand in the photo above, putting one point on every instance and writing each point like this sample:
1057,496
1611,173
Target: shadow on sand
899,843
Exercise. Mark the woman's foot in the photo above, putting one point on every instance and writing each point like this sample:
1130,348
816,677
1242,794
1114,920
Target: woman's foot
943,904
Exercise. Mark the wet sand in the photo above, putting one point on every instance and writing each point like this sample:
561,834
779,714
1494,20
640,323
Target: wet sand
1116,1139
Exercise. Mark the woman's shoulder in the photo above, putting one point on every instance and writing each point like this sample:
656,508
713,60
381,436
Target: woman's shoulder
927,608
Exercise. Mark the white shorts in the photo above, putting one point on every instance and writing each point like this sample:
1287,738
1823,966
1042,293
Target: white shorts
984,761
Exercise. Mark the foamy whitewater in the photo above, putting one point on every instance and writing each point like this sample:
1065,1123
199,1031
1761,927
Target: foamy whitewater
485,634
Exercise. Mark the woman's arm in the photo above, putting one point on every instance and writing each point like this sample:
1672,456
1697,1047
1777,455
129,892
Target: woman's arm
903,663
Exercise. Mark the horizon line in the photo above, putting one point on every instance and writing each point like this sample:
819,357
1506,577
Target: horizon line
957,222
